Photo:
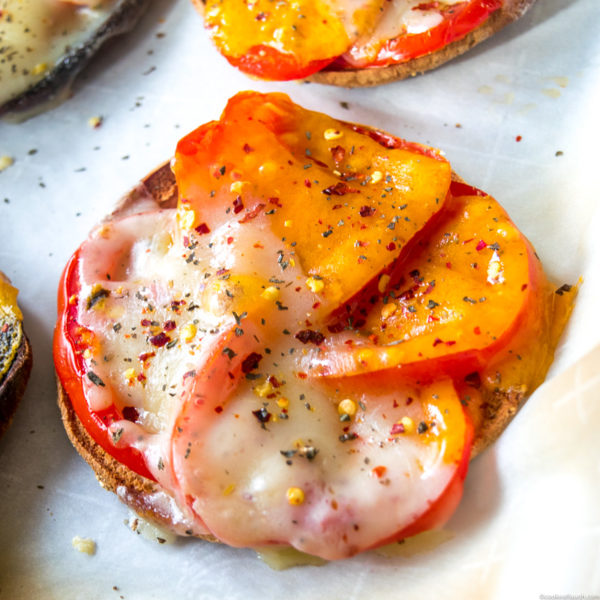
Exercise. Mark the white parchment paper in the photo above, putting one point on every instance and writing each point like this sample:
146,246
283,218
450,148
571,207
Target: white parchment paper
518,117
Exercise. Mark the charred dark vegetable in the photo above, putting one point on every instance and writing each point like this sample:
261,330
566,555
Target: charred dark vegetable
44,45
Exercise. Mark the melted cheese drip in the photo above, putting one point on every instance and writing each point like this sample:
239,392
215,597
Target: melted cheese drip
36,34
229,460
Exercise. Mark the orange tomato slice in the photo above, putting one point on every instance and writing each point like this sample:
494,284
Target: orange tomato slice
343,201
460,296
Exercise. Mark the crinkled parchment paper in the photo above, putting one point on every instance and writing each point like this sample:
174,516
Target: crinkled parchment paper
518,117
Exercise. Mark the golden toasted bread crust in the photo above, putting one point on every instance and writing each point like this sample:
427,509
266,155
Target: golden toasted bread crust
136,491
12,386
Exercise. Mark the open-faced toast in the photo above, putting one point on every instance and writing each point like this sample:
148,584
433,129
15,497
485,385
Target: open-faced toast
376,42
424,343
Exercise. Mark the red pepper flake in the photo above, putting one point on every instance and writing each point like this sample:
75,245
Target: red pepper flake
218,409
251,362
251,214
238,205
177,303
477,331
130,413
379,471
247,148
391,246
169,325
202,229
523,287
141,377
301,375
450,343
397,428
480,246
159,340
519,138
274,381
229,240
366,211
339,189
145,322
336,206
448,265
309,336
437,341
276,202
221,272
146,355
307,183
316,305
338,153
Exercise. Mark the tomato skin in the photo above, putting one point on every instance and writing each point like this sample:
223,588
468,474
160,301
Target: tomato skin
440,511
70,369
270,64
443,508
459,21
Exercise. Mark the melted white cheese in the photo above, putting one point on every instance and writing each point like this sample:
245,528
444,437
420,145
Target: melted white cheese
399,17
228,446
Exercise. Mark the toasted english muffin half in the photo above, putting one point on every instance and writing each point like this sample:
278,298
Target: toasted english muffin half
146,497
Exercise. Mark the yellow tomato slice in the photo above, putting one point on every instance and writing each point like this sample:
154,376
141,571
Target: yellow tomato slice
343,204
460,296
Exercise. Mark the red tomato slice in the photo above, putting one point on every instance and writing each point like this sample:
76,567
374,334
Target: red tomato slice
271,64
458,21
70,340
414,475
439,511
